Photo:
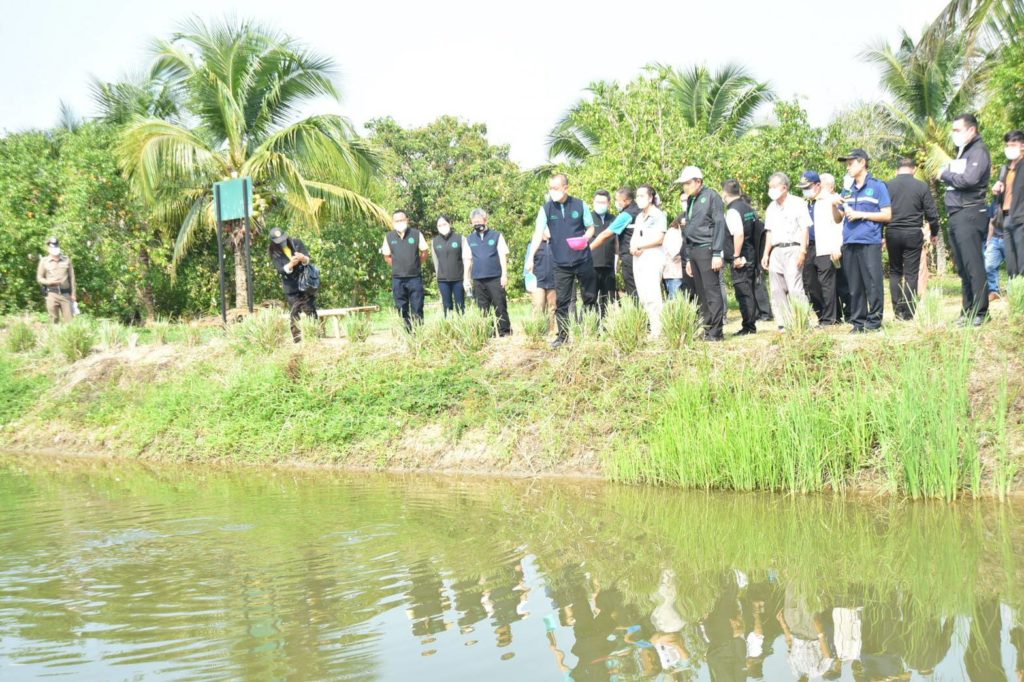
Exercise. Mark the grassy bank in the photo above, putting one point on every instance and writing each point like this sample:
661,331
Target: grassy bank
924,410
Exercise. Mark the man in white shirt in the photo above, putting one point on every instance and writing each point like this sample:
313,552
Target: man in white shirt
485,258
786,222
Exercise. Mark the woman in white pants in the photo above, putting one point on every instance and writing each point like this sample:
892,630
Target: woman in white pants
648,255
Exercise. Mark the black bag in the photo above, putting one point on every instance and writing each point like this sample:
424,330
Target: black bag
996,212
309,278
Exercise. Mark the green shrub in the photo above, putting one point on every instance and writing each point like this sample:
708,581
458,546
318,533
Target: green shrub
160,329
680,322
358,327
21,336
73,340
310,329
626,326
192,335
264,331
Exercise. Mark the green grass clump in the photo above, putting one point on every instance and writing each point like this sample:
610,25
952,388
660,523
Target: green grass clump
358,328
536,328
466,333
21,337
73,340
626,326
586,326
1015,298
800,320
310,329
928,311
680,322
160,330
192,335
262,332
112,334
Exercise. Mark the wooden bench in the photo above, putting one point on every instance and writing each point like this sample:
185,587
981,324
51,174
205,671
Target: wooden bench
333,315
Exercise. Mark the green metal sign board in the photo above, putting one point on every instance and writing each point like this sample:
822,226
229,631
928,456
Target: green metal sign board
233,195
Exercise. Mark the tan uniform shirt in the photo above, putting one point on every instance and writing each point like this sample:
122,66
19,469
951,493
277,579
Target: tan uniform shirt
56,272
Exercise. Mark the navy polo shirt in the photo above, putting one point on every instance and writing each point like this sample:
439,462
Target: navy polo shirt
871,197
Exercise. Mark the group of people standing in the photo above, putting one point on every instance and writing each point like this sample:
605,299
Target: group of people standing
822,249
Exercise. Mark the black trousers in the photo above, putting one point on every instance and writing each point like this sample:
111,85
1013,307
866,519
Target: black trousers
298,303
968,229
626,266
863,266
408,295
1014,241
843,310
826,275
904,248
488,293
565,292
812,284
743,285
606,287
708,284
764,303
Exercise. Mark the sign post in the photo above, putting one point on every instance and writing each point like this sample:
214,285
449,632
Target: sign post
233,202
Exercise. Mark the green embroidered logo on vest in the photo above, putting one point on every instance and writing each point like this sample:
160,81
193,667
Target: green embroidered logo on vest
575,214
703,200
411,240
490,242
455,245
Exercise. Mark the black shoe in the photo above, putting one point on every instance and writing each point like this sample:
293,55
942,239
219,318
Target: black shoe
857,330
979,320
558,343
709,337
962,321
765,318
745,332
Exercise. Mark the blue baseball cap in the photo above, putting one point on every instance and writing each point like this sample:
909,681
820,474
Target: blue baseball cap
809,178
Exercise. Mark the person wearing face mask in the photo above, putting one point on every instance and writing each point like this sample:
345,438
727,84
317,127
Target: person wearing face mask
621,229
912,204
56,274
569,226
648,256
405,250
704,248
966,180
289,256
604,255
1009,195
828,233
486,265
810,187
787,222
447,257
744,233
865,206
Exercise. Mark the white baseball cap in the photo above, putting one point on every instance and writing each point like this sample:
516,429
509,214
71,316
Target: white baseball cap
690,173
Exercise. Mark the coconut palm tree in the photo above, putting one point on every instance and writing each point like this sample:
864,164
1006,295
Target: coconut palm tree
722,103
136,96
240,86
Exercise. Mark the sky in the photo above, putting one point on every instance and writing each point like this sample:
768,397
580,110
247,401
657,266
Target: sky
515,66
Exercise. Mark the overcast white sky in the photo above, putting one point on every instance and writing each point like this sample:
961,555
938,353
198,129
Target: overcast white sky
516,66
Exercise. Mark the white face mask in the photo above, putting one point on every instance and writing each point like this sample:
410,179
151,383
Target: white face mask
960,139
847,181
556,195
401,226
445,229
808,193
54,250
774,193
1012,153
600,208
642,202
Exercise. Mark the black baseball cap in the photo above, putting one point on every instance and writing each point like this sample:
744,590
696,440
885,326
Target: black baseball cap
277,235
856,154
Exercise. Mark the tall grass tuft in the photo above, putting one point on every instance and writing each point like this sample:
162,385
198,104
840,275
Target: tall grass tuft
800,321
160,330
1006,462
928,313
1015,298
465,333
626,326
112,334
586,326
536,328
192,335
21,337
358,328
310,329
264,331
73,340
680,322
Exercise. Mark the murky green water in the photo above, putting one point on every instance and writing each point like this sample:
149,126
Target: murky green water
110,572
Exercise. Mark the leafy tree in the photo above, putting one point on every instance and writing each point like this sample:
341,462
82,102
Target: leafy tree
241,85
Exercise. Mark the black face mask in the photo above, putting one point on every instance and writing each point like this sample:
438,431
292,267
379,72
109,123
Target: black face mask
480,228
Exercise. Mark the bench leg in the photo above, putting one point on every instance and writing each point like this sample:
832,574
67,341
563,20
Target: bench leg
335,327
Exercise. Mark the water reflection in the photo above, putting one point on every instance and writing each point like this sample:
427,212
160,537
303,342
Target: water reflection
114,573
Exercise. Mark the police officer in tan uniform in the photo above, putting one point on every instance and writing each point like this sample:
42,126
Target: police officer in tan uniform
56,274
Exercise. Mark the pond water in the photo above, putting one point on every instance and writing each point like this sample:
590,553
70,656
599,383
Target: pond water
112,571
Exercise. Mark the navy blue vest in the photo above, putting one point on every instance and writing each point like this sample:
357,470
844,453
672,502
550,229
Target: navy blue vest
564,221
484,247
